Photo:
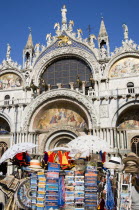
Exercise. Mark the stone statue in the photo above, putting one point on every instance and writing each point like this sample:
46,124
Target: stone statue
79,32
8,51
71,24
37,48
125,32
48,37
42,47
64,11
92,37
103,52
57,25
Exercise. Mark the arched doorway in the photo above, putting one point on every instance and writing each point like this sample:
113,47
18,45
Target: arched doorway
135,145
59,138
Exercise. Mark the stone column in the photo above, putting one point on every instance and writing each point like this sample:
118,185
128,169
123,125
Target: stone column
111,137
83,87
49,87
71,85
108,136
59,85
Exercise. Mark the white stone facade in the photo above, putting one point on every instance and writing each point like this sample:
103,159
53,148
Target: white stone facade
106,108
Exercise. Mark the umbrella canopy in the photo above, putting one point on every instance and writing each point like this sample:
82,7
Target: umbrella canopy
86,144
15,149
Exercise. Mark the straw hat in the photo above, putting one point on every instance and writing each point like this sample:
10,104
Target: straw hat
35,165
114,163
131,169
131,159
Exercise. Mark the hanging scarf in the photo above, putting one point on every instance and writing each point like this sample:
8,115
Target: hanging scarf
61,197
109,195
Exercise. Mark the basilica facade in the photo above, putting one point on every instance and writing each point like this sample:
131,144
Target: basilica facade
69,87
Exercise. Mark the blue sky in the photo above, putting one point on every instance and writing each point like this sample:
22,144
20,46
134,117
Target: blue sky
17,15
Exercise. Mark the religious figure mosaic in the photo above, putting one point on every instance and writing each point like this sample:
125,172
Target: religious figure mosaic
8,81
125,67
130,120
60,117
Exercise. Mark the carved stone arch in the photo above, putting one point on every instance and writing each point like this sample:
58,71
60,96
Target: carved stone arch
47,139
117,58
61,52
83,102
123,107
8,71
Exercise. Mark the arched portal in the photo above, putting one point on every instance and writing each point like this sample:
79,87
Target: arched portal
59,139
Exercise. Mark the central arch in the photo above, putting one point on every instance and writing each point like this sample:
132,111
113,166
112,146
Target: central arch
69,96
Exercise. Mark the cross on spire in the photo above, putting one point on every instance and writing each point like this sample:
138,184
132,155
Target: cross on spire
89,29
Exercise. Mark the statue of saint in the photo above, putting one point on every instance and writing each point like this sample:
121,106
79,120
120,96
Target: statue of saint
125,32
8,51
64,11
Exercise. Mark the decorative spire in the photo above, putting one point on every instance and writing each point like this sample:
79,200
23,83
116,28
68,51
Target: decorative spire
103,41
102,31
29,44
125,32
64,18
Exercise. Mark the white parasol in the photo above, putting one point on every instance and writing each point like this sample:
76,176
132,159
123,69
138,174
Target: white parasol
15,149
88,143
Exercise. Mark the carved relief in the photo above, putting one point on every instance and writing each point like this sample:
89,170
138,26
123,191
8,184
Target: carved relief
45,137
104,111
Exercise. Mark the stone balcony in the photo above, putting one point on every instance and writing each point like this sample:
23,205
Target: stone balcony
114,94
90,92
14,102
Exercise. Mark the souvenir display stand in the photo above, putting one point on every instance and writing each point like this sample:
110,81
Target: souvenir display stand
89,183
73,189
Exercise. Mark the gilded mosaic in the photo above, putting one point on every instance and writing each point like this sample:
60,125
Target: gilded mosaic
60,116
130,120
8,81
125,67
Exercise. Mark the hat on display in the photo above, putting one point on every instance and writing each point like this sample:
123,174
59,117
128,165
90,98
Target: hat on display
131,159
114,163
35,165
131,169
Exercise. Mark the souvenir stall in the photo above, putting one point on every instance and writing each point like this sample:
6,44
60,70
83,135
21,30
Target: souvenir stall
80,176
67,178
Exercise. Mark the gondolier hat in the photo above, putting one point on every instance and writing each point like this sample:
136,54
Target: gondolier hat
114,163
